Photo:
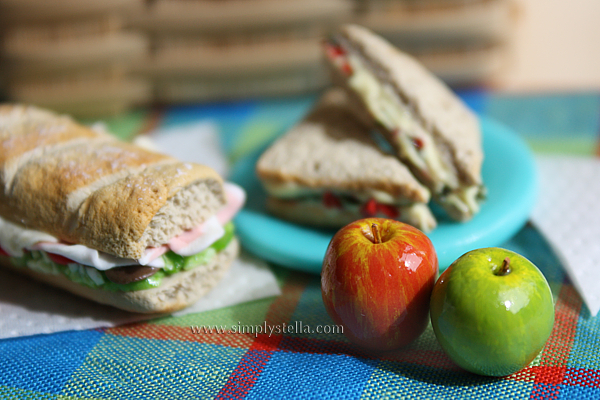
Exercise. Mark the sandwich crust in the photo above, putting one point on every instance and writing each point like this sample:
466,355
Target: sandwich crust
331,150
85,187
28,133
438,110
148,209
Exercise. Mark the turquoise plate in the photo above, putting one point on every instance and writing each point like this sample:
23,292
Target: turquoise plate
508,172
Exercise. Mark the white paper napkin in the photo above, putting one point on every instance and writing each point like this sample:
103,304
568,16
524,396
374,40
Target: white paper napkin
30,308
568,215
197,142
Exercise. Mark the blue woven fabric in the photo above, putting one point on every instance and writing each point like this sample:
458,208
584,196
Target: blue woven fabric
164,359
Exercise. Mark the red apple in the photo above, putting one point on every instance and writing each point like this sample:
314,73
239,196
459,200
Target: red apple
376,281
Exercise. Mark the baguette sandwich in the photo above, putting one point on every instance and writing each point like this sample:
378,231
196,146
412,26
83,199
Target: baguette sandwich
108,220
430,128
327,171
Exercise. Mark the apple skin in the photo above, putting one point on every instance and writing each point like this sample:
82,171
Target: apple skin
491,324
379,292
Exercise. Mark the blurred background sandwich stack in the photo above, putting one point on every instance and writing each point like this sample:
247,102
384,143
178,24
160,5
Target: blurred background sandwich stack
73,56
464,42
102,57
206,50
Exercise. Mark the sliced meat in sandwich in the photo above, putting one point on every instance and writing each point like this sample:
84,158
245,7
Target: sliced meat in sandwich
430,128
107,220
328,171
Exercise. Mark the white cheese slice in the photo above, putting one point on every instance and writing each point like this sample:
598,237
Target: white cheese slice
13,238
211,231
86,256
151,254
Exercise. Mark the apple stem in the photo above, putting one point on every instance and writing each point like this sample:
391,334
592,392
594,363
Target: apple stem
505,268
376,233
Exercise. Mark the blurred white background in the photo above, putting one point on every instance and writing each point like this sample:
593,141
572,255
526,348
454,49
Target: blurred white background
556,46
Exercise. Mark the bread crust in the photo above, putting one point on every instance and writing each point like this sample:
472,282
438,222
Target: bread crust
87,188
331,149
117,216
175,292
439,111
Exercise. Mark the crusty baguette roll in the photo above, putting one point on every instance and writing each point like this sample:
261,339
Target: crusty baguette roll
331,153
85,212
422,25
88,188
28,11
432,130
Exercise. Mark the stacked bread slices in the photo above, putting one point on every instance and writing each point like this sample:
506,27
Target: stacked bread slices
107,220
210,50
93,58
73,56
464,42
328,171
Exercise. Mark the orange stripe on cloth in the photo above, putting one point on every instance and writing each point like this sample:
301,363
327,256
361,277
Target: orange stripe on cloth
181,333
251,366
280,310
559,345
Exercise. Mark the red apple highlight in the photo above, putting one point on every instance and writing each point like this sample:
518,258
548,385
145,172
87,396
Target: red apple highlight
376,281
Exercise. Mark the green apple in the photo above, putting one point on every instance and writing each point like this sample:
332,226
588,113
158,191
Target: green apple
492,311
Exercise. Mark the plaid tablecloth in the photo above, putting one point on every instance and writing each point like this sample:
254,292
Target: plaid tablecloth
172,358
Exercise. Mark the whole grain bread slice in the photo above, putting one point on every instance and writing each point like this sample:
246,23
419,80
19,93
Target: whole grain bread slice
453,125
431,130
332,151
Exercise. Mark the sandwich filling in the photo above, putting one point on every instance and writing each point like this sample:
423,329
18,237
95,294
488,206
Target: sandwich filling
373,204
414,143
44,253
